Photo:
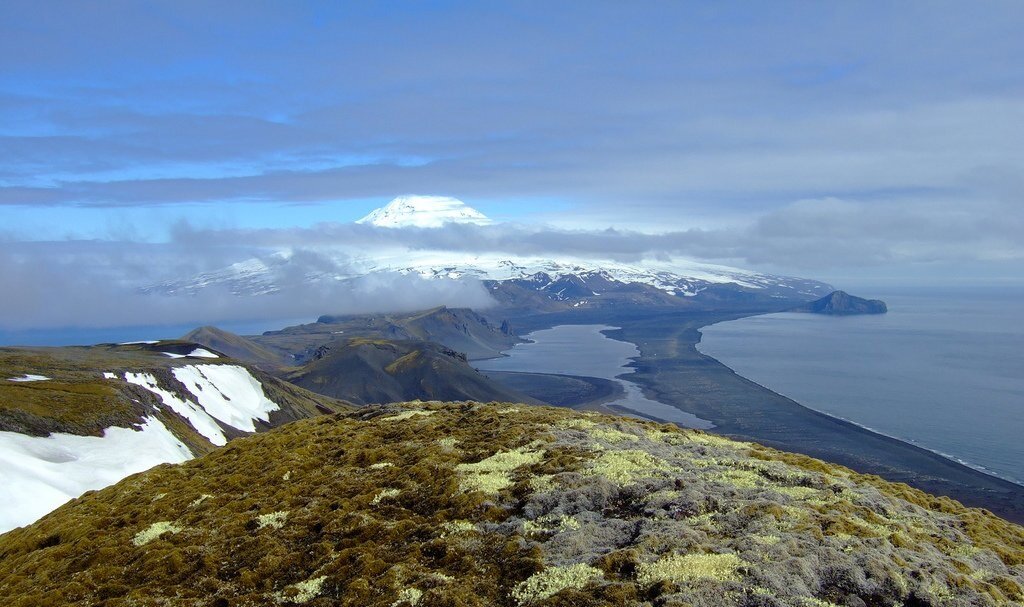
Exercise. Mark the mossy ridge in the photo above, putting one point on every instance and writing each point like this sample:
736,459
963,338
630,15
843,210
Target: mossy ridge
80,400
741,512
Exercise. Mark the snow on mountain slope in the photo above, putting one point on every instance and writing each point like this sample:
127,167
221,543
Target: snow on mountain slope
424,212
39,474
550,276
196,416
228,393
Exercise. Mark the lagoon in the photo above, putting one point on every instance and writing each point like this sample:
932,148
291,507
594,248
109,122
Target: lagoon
585,350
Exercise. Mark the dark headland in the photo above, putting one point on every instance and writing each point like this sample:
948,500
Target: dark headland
841,303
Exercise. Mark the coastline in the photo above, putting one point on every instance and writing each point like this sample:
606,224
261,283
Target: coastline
671,370
578,392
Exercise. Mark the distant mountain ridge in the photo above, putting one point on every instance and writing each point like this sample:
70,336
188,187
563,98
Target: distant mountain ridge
379,358
554,282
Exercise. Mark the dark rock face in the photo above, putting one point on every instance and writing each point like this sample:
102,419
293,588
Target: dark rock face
840,303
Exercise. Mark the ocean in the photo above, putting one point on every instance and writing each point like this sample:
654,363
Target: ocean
944,369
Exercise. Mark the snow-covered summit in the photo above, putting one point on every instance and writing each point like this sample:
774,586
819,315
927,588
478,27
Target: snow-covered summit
424,212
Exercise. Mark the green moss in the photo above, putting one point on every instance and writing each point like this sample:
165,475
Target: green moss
404,362
662,522
404,415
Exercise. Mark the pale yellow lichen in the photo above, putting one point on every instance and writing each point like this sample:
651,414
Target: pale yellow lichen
804,493
612,435
668,436
713,440
939,590
287,476
404,415
811,601
508,410
447,442
381,465
154,531
303,591
383,495
542,483
491,475
551,523
274,520
626,466
577,423
553,580
457,526
408,596
741,479
683,568
199,500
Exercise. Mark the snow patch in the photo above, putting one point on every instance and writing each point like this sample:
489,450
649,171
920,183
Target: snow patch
173,355
202,353
228,393
109,375
28,377
200,420
39,474
424,212
136,343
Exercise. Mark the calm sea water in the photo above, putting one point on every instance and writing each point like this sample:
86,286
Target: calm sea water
584,350
943,369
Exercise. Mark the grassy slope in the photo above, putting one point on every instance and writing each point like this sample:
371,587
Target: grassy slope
364,371
468,504
79,400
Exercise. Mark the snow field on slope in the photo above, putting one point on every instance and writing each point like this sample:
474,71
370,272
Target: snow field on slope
228,393
200,420
28,377
38,474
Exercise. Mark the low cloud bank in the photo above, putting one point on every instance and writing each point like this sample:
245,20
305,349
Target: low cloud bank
53,290
811,235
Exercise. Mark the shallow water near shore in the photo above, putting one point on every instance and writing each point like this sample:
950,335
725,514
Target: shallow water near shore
943,370
584,350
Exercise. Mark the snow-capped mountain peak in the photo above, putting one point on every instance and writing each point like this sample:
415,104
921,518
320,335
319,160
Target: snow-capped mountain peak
424,212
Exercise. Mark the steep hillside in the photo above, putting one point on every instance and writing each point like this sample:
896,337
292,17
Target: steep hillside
469,504
367,371
238,347
460,329
74,419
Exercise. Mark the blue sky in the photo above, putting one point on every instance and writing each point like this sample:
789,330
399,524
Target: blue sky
890,135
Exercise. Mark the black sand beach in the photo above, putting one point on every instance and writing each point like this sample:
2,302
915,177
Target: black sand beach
671,370
573,391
